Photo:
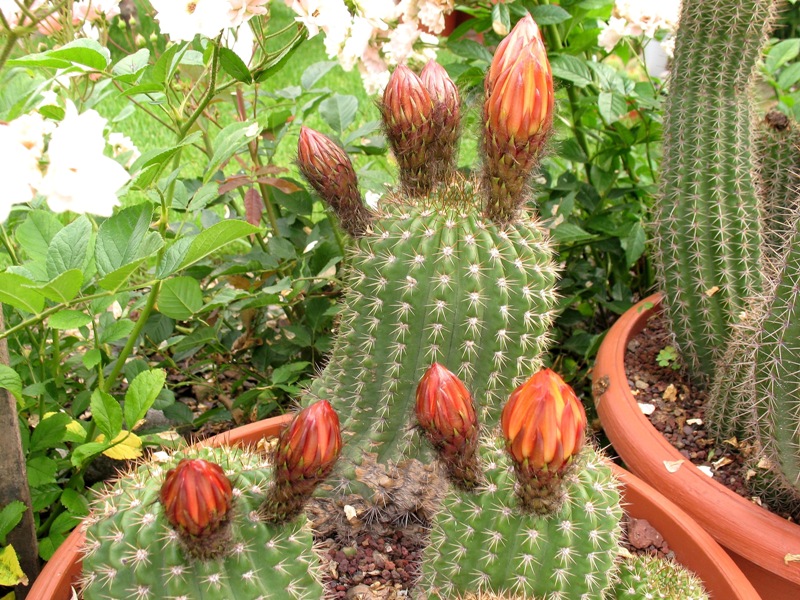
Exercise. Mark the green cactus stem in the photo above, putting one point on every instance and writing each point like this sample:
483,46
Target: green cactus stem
708,226
131,550
642,577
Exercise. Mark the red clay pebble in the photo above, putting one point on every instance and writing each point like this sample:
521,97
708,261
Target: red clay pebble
643,535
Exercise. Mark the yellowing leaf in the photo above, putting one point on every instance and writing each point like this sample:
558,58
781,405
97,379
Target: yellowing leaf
10,571
9,596
127,445
77,432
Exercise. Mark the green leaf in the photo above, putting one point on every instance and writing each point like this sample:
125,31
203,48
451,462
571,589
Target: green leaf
64,287
107,413
11,381
180,298
126,238
789,76
288,372
18,291
780,54
152,161
634,243
85,451
11,573
315,72
549,14
50,432
234,66
92,358
10,517
501,19
173,257
229,141
41,471
83,51
116,278
116,331
128,67
36,232
75,502
339,111
279,60
141,394
571,69
214,238
69,247
469,49
569,233
69,319
611,106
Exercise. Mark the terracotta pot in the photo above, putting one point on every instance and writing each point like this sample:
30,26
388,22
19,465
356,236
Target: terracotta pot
693,546
755,538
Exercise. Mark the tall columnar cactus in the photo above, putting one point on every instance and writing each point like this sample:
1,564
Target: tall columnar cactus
214,522
448,270
708,230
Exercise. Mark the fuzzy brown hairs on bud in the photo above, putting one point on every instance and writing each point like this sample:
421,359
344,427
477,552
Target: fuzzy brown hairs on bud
407,110
329,170
307,451
517,118
446,120
446,413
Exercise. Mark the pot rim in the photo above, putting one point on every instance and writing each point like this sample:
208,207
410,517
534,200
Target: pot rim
750,531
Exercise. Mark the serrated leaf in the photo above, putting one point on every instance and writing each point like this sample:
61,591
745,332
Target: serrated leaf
50,432
116,331
10,516
83,51
41,471
36,232
173,257
234,66
180,298
125,446
229,141
339,111
128,67
126,238
611,106
214,238
75,502
107,413
92,358
285,373
69,247
18,291
69,319
141,394
64,287
85,451
571,69
549,14
117,278
781,53
11,573
315,72
11,381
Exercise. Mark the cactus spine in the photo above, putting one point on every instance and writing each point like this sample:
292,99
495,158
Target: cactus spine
708,227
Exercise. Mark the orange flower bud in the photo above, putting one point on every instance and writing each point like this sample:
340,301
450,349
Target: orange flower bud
544,424
196,496
518,115
446,413
330,172
309,447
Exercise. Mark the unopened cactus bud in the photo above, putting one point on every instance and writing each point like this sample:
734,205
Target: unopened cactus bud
407,110
544,425
517,115
330,172
446,412
306,453
446,119
197,498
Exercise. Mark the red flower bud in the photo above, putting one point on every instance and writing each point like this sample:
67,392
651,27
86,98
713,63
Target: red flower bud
544,424
330,172
196,496
309,446
441,88
446,413
517,114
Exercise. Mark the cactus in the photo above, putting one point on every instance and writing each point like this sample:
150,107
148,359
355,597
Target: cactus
648,577
208,523
727,242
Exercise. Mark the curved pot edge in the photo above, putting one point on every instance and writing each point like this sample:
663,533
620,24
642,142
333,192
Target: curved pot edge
645,451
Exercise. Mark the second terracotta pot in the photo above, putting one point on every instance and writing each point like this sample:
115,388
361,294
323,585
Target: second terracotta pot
761,543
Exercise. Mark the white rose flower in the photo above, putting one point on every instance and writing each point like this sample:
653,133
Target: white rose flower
19,170
122,145
242,11
80,177
612,33
181,20
354,47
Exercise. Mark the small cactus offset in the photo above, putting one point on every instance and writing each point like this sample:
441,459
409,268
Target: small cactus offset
214,522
